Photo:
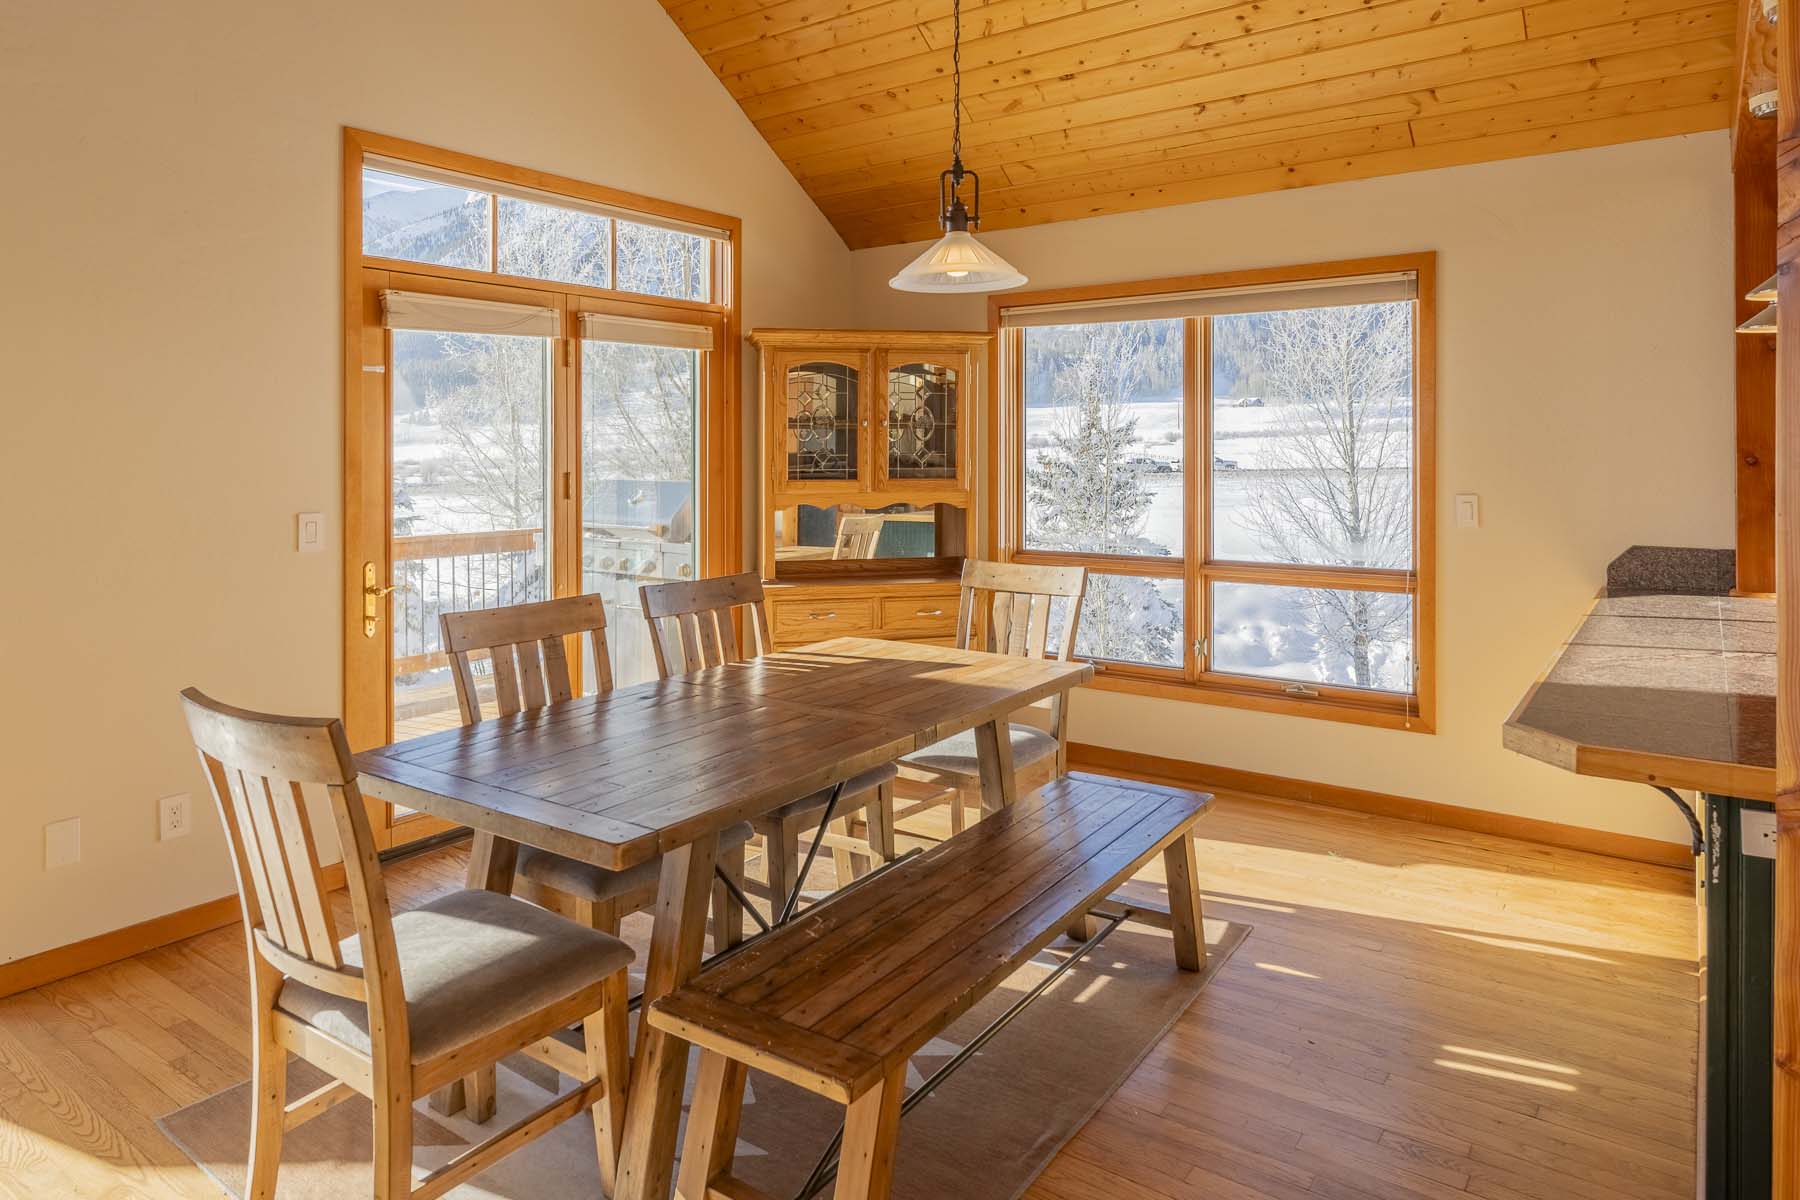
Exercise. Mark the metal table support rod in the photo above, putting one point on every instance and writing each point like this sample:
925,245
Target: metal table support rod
1694,830
793,901
826,1169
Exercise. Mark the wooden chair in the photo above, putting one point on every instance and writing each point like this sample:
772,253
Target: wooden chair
411,1001
1005,609
691,628
858,534
531,669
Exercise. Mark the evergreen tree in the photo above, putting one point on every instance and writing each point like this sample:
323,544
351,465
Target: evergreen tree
1083,492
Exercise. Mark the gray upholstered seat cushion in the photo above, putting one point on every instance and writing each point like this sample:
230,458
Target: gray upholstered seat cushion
868,781
955,755
470,963
584,881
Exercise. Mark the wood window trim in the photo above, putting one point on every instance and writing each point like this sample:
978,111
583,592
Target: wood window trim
1005,516
367,460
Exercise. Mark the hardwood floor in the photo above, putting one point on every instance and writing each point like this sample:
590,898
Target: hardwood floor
1418,1013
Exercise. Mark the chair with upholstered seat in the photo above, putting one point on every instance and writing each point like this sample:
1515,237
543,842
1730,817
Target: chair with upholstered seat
1005,609
693,626
409,1002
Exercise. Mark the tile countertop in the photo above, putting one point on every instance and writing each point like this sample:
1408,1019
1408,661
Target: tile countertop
1670,689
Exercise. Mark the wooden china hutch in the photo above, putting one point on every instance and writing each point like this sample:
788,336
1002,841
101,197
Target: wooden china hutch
868,480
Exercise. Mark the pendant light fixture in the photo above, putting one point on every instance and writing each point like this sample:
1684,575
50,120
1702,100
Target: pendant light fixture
957,262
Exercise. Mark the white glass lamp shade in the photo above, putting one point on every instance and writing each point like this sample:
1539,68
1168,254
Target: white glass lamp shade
957,262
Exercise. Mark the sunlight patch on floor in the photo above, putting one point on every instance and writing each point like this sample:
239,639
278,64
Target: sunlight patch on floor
1511,1060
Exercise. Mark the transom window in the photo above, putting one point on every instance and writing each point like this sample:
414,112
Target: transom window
421,215
1240,464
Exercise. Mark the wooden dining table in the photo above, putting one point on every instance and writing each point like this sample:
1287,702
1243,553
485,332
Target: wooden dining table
660,768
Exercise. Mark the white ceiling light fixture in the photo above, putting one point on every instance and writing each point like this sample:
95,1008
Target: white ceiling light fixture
957,262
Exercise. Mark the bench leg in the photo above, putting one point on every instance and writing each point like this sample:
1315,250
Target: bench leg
1185,926
712,1128
871,1132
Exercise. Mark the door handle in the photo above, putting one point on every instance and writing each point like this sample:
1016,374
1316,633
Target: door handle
373,593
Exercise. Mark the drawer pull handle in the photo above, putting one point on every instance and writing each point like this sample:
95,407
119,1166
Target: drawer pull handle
820,616
929,612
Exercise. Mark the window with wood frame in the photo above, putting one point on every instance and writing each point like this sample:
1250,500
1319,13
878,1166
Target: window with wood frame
1244,464
542,400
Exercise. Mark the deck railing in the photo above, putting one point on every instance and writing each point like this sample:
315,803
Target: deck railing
456,572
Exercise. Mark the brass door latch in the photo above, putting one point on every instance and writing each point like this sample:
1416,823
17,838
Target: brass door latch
373,594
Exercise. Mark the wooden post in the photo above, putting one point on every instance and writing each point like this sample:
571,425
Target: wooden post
1786,1116
1753,235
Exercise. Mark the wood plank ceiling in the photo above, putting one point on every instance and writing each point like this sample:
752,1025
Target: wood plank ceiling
1072,108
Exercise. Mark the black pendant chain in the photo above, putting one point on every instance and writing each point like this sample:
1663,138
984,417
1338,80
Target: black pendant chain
956,85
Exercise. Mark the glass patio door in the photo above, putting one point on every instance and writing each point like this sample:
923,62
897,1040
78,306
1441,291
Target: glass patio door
470,437
641,507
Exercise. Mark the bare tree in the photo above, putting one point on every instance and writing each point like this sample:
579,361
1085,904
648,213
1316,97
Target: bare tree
640,412
491,413
1337,489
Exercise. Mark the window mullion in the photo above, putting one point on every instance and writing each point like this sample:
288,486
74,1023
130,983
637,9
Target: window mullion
1196,481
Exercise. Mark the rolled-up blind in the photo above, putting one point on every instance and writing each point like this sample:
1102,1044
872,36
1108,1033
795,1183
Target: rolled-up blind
454,314
1277,297
603,327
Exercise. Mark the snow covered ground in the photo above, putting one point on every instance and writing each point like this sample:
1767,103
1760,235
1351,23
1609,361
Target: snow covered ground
1257,630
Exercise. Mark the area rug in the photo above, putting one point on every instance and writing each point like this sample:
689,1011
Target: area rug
984,1134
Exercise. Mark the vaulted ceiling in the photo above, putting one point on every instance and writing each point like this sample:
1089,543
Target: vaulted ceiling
1073,108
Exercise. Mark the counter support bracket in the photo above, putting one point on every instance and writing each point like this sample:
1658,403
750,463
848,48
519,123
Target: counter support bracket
1695,833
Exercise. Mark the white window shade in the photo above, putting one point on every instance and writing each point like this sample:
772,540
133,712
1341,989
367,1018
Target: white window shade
602,327
1310,293
453,314
395,166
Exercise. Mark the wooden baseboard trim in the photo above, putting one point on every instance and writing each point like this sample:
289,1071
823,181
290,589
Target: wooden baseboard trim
1155,769
35,970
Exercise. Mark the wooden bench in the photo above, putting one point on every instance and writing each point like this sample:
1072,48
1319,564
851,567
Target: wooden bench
840,998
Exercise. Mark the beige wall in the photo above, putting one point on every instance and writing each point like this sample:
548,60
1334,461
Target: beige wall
171,357
1585,393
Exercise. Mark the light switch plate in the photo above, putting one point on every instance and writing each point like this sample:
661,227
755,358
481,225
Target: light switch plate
1468,511
309,532
1757,833
62,843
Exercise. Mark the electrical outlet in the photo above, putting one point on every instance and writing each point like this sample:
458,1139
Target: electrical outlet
62,843
1758,832
172,817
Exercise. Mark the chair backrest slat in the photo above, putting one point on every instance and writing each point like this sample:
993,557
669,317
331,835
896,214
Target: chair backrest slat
295,826
284,881
691,622
1016,599
857,535
260,767
526,643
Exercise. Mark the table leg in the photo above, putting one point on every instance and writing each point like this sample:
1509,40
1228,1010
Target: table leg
659,1071
492,861
993,751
